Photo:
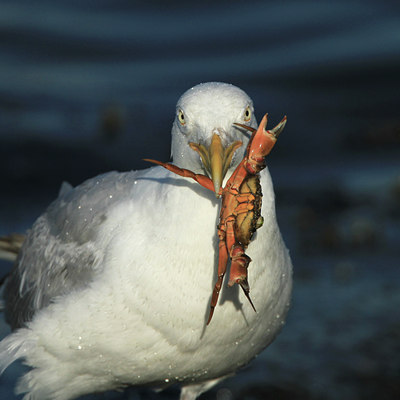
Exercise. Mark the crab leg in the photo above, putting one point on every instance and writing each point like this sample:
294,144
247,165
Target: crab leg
204,181
239,264
244,208
222,263
239,261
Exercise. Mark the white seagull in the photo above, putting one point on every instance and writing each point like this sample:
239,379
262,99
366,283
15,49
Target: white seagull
112,284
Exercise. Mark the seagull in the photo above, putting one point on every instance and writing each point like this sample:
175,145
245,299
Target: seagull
112,285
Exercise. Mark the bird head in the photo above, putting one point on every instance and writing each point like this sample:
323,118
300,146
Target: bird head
204,137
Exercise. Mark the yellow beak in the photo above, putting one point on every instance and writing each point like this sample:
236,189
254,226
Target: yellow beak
216,159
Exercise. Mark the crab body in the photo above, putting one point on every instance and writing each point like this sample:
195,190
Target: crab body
246,206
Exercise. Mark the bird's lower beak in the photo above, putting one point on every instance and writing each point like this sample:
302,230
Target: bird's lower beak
216,159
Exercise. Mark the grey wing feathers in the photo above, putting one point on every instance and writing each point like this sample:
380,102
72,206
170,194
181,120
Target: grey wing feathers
60,253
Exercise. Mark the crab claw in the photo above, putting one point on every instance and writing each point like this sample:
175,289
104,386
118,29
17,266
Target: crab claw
261,143
278,128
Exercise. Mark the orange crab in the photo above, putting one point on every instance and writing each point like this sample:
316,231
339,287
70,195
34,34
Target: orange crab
240,214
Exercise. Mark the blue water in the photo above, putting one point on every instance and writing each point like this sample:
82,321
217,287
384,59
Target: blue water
89,86
63,62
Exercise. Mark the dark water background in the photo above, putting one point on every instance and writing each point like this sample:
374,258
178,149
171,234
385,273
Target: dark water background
91,86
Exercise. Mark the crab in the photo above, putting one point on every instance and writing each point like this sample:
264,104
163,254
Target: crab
240,214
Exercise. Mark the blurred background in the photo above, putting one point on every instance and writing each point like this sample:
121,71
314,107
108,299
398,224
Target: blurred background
91,86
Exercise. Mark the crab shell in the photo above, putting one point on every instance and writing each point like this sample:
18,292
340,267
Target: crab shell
247,223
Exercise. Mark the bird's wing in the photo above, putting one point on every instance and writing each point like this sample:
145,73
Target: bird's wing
60,253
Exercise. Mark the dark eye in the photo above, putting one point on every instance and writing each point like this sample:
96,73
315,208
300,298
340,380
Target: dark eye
247,114
181,117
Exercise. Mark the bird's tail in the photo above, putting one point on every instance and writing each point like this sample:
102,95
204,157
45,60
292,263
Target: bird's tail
10,246
9,249
14,346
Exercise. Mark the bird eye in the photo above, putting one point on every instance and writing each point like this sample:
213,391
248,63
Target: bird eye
181,117
247,114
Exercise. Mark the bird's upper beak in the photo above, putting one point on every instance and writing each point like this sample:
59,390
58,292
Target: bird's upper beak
216,158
